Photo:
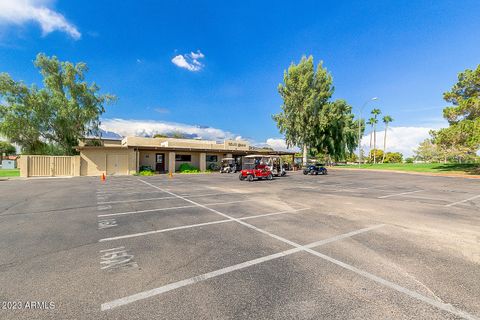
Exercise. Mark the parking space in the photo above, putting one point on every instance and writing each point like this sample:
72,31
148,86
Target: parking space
346,245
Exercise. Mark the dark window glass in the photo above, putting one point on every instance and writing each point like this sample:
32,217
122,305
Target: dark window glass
183,157
212,158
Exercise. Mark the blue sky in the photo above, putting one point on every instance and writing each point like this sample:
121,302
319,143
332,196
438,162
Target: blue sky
407,53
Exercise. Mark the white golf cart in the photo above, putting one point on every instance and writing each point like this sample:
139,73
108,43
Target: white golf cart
275,163
229,166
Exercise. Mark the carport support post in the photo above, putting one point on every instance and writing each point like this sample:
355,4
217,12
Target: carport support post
203,161
171,162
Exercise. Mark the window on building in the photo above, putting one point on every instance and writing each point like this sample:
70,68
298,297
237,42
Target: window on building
212,158
183,157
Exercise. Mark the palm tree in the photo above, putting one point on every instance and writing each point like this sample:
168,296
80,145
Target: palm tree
386,120
373,122
370,122
375,113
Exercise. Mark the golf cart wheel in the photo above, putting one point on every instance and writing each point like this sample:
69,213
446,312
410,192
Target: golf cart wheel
325,171
270,177
250,178
305,172
241,177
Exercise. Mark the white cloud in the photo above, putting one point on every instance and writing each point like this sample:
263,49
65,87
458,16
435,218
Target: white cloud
19,12
189,61
149,128
399,139
279,144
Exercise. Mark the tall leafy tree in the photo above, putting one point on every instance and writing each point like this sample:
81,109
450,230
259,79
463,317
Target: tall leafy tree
386,121
6,148
62,112
464,114
375,113
305,92
336,130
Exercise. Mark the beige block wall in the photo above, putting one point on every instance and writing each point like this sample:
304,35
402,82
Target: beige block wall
93,162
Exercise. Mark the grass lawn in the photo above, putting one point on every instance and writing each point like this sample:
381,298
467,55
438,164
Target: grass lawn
9,172
463,168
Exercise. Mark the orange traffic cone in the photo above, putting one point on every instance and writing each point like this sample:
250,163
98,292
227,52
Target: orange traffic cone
104,178
170,175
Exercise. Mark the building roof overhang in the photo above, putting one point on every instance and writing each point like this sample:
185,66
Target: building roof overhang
180,149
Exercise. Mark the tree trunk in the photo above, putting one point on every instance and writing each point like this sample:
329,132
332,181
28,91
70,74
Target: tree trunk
305,159
374,144
371,136
385,142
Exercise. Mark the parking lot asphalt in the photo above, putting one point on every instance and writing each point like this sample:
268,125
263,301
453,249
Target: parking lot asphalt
348,245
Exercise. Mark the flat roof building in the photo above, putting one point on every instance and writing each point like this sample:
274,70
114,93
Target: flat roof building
129,155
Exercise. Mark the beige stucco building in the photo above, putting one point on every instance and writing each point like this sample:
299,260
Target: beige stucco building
128,156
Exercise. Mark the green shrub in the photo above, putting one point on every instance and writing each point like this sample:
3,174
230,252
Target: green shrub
188,168
146,168
393,157
146,173
409,160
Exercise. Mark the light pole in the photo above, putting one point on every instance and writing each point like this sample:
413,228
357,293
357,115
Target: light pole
359,130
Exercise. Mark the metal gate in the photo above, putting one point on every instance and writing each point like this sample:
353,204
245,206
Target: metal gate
49,166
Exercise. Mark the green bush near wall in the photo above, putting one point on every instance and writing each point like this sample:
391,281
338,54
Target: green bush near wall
146,173
188,168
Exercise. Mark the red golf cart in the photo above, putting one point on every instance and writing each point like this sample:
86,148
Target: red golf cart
255,167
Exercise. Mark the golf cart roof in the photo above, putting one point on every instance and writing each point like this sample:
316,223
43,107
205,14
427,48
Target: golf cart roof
272,156
228,159
257,156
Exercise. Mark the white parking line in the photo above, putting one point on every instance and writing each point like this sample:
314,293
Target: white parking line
136,200
164,209
458,202
195,225
360,188
175,285
170,197
126,193
399,194
141,211
435,303
386,283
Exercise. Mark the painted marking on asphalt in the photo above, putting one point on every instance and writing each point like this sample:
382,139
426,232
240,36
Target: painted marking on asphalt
116,258
463,201
435,303
141,211
165,209
273,214
107,223
163,230
136,200
127,193
195,225
100,208
162,198
399,194
175,285
360,188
